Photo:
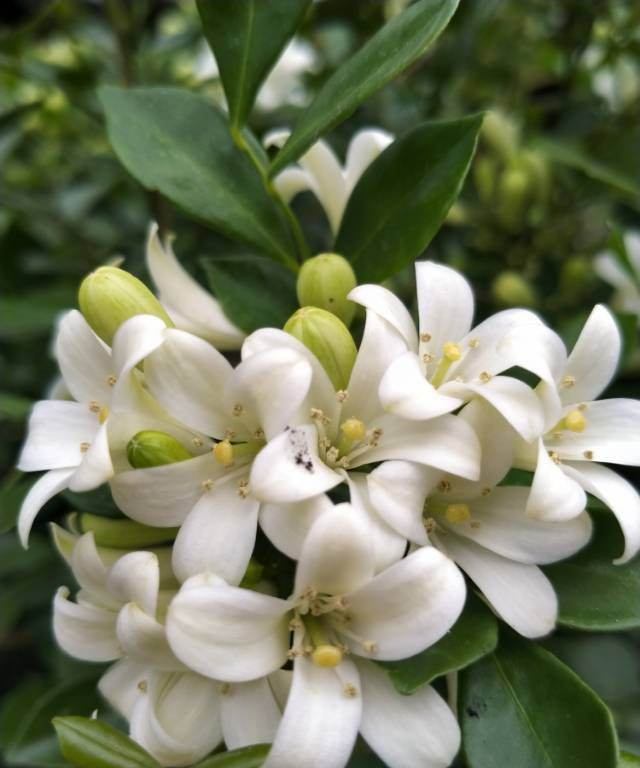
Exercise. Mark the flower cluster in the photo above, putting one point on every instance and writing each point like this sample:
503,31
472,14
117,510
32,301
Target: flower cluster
213,465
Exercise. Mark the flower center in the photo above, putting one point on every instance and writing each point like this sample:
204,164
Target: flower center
353,439
574,421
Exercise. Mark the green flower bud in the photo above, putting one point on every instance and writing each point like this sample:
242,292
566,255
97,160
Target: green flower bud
110,296
512,194
253,574
119,533
150,448
484,174
329,340
324,281
501,133
511,289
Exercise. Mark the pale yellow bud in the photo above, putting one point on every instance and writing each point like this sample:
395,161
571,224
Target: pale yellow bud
512,290
151,448
324,281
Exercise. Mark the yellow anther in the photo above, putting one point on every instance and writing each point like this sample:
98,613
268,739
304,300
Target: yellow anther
568,382
342,395
425,337
94,407
353,429
225,688
207,485
485,491
370,646
427,358
444,486
326,656
588,455
554,456
242,489
575,421
350,691
142,686
474,343
485,377
237,409
84,447
103,415
198,442
451,351
111,381
223,453
457,513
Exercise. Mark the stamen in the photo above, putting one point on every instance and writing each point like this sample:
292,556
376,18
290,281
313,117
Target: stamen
485,491
485,377
243,488
582,407
207,485
259,434
342,395
230,434
225,688
457,513
451,351
111,381
588,455
568,382
84,447
374,437
425,337
319,416
427,358
350,690
237,410
142,686
575,421
94,407
223,453
474,343
198,442
554,456
444,486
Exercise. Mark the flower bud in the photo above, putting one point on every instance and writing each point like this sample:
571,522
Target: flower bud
512,290
329,340
512,193
109,296
120,533
324,281
150,448
501,133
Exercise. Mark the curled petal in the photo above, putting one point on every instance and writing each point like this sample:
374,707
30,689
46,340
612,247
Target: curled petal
84,631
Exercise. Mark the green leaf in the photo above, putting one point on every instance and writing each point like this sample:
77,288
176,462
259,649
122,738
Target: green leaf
246,757
473,636
14,407
239,284
391,50
179,144
618,248
12,494
628,760
89,743
593,593
403,197
523,707
247,37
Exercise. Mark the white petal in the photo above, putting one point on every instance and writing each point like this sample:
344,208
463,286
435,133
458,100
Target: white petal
249,714
447,443
499,523
179,291
84,631
594,358
91,573
364,148
521,594
611,434
39,494
618,494
406,731
408,607
535,348
178,719
288,468
272,385
445,306
218,535
58,431
398,489
187,376
386,304
554,495
514,400
328,183
120,685
287,525
143,639
291,182
405,391
164,496
337,555
135,340
96,466
228,633
135,577
85,362
320,722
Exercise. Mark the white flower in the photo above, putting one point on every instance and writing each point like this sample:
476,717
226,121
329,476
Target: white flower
174,713
283,84
581,431
627,294
320,171
484,528
339,606
77,441
449,363
188,304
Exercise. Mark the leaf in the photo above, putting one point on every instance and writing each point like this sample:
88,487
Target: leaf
593,593
473,636
12,494
403,197
240,283
179,144
628,760
523,707
247,37
89,743
14,407
391,50
246,757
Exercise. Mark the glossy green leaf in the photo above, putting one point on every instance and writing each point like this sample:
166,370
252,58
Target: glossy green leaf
522,707
89,743
239,284
593,593
391,50
246,757
12,493
179,144
247,37
403,197
473,636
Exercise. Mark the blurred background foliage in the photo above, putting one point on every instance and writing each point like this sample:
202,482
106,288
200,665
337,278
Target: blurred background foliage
555,182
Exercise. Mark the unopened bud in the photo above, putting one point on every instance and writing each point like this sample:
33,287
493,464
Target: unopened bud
110,296
329,340
512,193
512,290
501,133
324,281
121,533
150,448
